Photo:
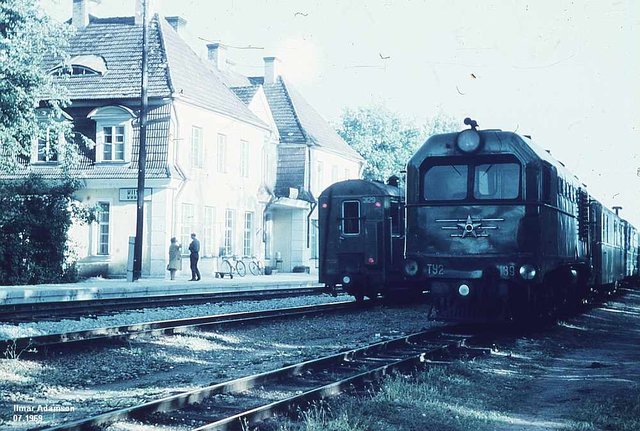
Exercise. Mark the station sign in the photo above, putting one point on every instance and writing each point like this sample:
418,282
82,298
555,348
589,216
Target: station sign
132,194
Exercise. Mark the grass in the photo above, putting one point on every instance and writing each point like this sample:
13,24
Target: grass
442,398
494,393
620,413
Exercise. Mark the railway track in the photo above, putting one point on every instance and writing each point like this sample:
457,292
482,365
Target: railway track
243,402
78,308
173,326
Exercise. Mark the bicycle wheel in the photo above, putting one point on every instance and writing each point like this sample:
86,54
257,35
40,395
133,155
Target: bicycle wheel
225,268
241,268
254,268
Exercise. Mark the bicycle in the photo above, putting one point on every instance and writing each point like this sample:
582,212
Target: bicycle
254,266
231,264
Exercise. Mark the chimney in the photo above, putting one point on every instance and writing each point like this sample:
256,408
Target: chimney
217,54
178,23
139,9
80,15
270,69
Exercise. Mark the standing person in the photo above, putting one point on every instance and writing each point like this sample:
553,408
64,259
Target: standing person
194,248
175,257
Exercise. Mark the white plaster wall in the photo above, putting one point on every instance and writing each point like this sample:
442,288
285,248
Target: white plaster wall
207,187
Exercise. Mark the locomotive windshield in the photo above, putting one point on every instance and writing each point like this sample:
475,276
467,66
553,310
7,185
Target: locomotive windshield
446,182
498,180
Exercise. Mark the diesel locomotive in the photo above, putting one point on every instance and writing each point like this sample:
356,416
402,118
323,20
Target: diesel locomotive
361,236
496,228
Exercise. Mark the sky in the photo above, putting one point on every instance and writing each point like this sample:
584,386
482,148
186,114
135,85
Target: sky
565,72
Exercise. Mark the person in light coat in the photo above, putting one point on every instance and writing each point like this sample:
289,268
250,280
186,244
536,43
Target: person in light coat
175,258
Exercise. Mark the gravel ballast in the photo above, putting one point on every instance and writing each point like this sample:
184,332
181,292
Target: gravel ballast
31,329
102,379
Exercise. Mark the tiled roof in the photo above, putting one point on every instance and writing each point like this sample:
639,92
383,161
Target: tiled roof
291,168
246,93
298,122
173,67
158,124
119,42
193,79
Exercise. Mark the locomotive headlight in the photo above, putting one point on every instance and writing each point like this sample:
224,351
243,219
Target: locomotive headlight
410,267
463,290
468,141
528,272
346,279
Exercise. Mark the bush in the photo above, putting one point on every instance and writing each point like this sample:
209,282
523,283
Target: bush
35,216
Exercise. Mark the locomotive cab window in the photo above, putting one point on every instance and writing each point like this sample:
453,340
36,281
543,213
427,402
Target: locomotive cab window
445,182
351,217
397,219
497,181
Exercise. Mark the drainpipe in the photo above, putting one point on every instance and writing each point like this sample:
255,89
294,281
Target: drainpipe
177,194
313,207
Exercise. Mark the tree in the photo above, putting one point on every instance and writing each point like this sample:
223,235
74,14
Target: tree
35,216
27,37
385,139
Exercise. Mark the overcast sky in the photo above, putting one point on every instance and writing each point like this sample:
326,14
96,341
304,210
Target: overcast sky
566,72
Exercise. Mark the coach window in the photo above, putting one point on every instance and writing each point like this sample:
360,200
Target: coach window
445,182
351,217
497,181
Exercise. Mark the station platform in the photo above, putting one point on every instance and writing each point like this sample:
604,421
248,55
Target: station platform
100,288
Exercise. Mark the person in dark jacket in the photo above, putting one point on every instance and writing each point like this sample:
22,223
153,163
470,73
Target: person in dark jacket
194,256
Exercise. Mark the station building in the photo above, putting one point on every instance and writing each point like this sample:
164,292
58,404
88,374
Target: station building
237,160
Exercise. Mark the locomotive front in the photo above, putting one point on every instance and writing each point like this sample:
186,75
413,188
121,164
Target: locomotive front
473,226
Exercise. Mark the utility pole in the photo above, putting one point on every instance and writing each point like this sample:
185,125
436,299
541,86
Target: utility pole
142,153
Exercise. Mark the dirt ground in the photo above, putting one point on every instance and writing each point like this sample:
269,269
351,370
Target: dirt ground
581,374
591,368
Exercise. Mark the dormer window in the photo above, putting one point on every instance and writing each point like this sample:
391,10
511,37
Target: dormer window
82,65
114,133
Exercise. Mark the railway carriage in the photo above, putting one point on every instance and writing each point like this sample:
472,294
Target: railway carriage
361,225
608,247
497,228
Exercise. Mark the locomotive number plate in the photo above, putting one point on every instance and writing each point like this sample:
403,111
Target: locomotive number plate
507,271
434,269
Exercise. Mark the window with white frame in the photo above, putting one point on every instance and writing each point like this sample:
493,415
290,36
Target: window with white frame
319,182
335,175
103,229
187,224
45,147
113,144
247,243
114,133
229,216
265,164
244,159
314,238
268,232
222,153
208,245
197,153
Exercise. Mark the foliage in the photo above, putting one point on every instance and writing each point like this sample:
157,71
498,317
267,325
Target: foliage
35,216
27,37
385,139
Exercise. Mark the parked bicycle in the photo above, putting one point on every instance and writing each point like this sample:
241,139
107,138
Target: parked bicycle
231,265
255,267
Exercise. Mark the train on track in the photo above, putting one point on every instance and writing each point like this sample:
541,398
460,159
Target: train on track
494,228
